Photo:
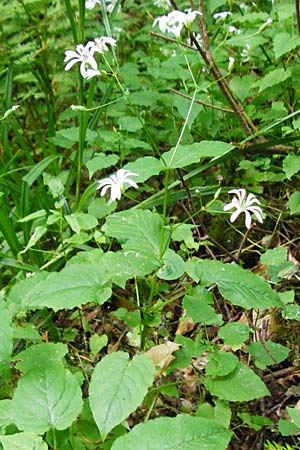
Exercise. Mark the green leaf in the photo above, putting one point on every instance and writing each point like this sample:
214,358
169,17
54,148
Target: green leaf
241,385
291,164
37,356
291,312
184,155
295,415
284,43
38,233
238,286
286,428
198,308
6,340
81,221
173,266
72,286
183,106
220,413
23,441
137,230
101,161
145,167
38,169
276,353
220,364
97,343
234,333
294,202
255,422
20,294
45,398
118,386
272,78
274,256
169,433
131,124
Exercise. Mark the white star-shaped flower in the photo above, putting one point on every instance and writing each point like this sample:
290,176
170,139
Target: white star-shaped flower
174,21
243,204
116,183
84,55
100,44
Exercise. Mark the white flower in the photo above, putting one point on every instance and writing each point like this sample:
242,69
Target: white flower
85,55
222,15
232,29
10,111
241,204
174,21
230,63
116,183
100,44
90,4
165,4
245,53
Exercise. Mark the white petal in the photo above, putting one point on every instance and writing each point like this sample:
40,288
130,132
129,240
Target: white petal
235,215
247,219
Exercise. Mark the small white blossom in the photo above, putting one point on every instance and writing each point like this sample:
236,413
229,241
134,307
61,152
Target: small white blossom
10,111
222,15
116,183
100,44
165,4
230,63
84,55
245,53
233,29
90,4
110,4
174,22
243,204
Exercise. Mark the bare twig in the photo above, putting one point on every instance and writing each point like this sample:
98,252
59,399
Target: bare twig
209,105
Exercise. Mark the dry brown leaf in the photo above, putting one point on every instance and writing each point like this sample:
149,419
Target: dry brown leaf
161,355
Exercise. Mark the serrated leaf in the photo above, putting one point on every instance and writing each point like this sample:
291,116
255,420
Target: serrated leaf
138,230
184,155
234,333
72,286
45,398
241,385
284,43
199,309
101,161
294,202
118,386
291,165
237,285
272,78
220,364
37,356
20,294
145,168
23,441
169,433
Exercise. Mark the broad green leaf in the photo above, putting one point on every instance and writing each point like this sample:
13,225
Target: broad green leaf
274,354
286,427
37,356
255,422
220,413
272,78
118,386
138,230
241,385
169,433
6,339
97,343
72,286
237,285
20,294
23,441
130,123
274,256
173,266
184,155
145,168
291,164
46,397
234,333
220,364
295,415
183,106
6,413
101,161
291,312
199,309
294,202
81,221
284,43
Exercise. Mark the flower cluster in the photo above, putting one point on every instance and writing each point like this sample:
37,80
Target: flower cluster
85,55
243,204
174,22
116,183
